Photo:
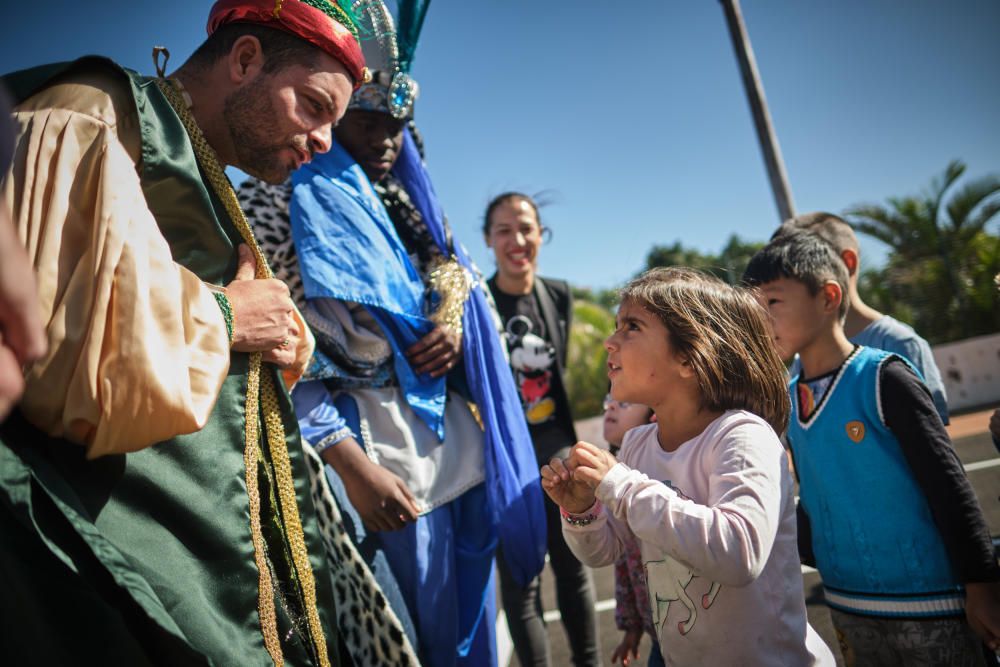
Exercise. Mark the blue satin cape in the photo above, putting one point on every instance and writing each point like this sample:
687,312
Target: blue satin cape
513,488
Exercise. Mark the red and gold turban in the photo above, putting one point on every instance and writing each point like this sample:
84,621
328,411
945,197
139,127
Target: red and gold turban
322,23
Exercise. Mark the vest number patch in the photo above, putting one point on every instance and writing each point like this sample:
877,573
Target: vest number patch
855,431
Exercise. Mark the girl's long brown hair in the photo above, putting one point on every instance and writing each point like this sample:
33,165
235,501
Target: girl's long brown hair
723,333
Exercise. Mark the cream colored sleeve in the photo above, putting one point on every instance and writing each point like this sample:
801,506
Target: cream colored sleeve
137,344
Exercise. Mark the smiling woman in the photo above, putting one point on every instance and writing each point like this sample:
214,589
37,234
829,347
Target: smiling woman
536,315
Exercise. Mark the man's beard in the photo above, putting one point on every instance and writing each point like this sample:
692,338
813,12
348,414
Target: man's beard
251,118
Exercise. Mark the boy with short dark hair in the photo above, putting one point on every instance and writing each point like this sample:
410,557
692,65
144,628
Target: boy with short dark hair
865,325
898,535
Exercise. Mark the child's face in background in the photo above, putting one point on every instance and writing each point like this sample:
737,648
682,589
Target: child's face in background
642,365
797,317
619,417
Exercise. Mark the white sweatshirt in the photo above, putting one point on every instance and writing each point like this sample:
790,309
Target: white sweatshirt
715,520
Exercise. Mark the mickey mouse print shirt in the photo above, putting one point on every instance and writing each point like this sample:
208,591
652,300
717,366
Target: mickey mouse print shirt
536,372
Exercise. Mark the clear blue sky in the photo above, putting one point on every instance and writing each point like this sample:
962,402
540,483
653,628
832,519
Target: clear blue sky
633,113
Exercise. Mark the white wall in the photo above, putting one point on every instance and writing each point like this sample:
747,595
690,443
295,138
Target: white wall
971,371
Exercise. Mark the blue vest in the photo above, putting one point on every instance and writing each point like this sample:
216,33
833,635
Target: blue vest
876,544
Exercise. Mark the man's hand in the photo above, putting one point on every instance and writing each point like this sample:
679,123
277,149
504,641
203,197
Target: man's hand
590,463
982,609
629,644
380,497
262,314
570,494
22,337
436,353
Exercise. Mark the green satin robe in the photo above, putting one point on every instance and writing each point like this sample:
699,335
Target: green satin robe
148,558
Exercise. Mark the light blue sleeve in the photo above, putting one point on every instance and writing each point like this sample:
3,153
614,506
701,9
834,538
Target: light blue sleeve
894,336
918,352
321,423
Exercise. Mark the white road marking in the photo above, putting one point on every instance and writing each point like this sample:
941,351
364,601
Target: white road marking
982,465
600,606
505,645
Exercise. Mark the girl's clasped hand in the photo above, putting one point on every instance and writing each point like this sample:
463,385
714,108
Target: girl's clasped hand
571,482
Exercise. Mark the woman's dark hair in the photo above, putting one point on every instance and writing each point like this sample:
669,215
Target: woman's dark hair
533,202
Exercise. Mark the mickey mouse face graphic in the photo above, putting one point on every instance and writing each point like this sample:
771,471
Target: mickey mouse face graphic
531,358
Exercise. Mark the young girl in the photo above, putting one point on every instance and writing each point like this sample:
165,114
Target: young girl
705,490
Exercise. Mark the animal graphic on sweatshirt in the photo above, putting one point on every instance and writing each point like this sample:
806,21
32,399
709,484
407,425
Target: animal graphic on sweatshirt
668,581
531,358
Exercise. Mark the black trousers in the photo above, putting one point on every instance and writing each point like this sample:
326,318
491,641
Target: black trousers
575,597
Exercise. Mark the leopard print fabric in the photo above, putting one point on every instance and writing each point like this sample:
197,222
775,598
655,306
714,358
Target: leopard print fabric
266,208
368,626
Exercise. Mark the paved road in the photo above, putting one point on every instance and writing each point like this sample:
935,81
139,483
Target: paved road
975,449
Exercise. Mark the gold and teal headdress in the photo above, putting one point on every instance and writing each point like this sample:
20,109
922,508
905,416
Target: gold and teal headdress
389,53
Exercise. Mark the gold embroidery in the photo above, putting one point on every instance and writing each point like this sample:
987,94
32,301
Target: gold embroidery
274,429
451,282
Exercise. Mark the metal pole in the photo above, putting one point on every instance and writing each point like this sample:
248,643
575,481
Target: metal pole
758,107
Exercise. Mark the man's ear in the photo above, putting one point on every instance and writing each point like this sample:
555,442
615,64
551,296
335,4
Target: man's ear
833,295
850,258
687,370
245,60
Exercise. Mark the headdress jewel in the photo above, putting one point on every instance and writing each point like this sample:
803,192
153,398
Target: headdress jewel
392,89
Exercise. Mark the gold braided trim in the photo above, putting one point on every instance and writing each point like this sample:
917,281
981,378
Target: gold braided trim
265,596
289,505
274,428
451,282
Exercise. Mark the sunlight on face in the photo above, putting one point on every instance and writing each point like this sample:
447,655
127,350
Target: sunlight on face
279,121
642,365
795,314
515,235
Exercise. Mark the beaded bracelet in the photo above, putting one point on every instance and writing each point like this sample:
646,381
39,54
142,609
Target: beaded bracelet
227,313
582,519
333,439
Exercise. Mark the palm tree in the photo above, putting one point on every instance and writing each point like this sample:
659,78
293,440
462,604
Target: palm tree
586,369
941,233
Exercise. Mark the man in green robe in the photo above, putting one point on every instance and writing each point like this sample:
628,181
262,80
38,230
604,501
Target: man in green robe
153,502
